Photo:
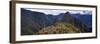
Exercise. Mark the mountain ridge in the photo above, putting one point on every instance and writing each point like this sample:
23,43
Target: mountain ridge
36,21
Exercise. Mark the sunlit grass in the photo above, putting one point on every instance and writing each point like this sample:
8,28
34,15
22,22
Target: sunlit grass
59,27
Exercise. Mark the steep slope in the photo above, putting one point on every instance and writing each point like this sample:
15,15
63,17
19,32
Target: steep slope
32,21
85,19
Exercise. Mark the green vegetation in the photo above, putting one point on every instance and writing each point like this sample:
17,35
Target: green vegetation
59,28
34,23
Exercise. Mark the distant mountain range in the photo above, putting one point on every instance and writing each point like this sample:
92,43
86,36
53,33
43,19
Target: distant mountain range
33,21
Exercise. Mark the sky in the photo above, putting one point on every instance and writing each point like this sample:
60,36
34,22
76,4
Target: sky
56,12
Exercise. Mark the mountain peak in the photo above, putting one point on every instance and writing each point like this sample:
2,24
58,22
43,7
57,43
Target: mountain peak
67,13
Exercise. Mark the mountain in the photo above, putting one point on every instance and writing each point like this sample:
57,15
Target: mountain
33,22
60,16
85,19
64,23
68,18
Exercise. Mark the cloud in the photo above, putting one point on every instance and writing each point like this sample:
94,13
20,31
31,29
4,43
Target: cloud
56,12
